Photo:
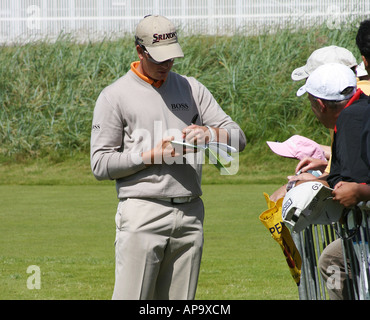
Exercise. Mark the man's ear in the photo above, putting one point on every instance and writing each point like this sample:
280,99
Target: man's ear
140,52
323,108
366,63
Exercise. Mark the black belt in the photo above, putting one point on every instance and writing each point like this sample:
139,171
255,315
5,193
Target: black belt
178,200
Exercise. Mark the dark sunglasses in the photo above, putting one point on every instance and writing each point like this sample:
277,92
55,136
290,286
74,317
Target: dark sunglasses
151,59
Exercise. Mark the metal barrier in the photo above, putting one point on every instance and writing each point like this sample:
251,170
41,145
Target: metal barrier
354,233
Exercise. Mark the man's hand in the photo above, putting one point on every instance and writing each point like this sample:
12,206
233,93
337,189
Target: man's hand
162,151
347,193
196,135
311,164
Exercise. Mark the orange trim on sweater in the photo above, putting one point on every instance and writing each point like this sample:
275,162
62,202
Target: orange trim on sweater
134,66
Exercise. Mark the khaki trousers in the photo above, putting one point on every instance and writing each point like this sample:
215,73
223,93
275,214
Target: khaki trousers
332,268
158,249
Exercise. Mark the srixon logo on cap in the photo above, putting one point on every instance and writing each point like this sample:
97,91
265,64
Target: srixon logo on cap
165,36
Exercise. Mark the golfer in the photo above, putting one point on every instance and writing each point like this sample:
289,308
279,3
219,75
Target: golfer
159,219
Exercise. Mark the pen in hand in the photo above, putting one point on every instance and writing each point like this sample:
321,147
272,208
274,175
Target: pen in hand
193,120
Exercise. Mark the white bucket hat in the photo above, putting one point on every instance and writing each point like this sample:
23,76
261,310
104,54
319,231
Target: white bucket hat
329,54
310,203
159,36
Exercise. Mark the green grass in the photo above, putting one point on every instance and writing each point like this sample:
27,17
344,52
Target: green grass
257,164
241,260
68,231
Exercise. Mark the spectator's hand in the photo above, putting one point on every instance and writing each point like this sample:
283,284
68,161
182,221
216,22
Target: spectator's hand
346,193
279,193
303,176
327,151
311,164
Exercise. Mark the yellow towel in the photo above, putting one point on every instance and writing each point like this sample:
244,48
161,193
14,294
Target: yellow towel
273,221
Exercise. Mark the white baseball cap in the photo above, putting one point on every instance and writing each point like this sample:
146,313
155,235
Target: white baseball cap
159,36
332,81
329,54
310,203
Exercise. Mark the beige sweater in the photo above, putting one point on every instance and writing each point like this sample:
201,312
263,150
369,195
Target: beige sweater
132,116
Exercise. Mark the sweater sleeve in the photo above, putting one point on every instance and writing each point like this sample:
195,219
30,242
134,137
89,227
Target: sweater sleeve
211,114
108,161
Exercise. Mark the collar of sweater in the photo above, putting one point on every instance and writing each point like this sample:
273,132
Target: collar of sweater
134,66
